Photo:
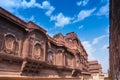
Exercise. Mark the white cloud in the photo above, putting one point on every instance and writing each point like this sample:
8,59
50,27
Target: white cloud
90,50
51,9
80,27
60,20
50,34
11,5
31,18
83,3
84,14
98,52
46,5
79,3
104,10
26,4
105,47
96,40
105,64
107,30
104,61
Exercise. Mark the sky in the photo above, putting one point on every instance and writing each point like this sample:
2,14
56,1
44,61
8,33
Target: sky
89,19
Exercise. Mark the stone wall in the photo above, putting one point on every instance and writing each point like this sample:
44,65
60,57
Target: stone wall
114,40
26,50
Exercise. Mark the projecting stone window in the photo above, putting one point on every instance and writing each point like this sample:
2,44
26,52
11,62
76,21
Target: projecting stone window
37,51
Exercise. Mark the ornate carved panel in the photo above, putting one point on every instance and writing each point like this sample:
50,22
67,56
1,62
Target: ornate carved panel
11,45
9,42
38,51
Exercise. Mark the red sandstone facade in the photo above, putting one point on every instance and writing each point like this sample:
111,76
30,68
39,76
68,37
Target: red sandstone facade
26,50
95,67
96,70
114,40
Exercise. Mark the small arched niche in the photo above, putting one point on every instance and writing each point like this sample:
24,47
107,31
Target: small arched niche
37,51
9,42
11,45
50,57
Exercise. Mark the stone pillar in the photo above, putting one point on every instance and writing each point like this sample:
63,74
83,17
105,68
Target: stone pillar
60,58
1,42
25,48
64,59
44,51
74,63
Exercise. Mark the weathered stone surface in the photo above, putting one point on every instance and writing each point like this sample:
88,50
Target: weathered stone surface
27,50
114,48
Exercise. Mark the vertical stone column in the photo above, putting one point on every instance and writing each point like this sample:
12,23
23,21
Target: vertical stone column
44,51
20,47
60,58
54,59
64,59
25,48
1,42
74,63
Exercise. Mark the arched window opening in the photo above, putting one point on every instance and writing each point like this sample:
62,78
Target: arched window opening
37,51
11,45
9,42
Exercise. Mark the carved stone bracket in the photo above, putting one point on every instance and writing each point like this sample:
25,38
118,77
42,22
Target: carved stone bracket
74,73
